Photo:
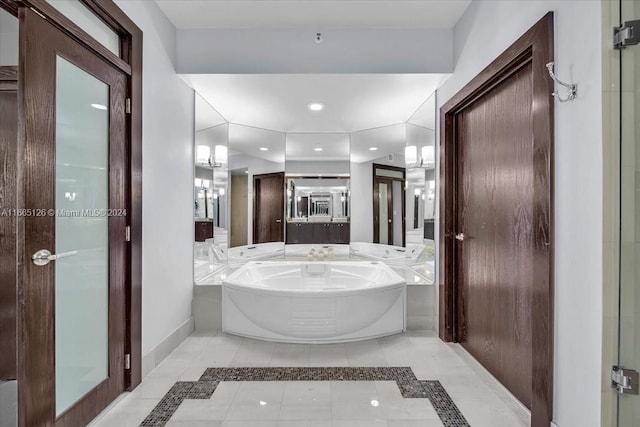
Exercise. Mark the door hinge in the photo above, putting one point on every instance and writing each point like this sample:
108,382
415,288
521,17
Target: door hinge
625,381
627,34
127,361
127,105
127,233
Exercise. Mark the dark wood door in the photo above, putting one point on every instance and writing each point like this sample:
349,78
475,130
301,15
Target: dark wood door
383,211
496,220
268,208
71,309
495,207
389,187
8,193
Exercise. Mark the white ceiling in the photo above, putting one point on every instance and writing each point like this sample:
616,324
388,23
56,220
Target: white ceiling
248,140
206,116
387,140
316,14
353,102
301,147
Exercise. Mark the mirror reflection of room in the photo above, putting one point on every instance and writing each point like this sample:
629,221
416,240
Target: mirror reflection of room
350,178
317,174
256,165
210,189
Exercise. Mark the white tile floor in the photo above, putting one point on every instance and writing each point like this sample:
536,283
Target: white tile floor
482,400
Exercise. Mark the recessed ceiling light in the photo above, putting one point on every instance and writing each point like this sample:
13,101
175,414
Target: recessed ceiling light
373,148
317,149
99,106
264,149
315,106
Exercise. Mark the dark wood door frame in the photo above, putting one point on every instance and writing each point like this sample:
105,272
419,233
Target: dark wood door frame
129,62
536,48
376,206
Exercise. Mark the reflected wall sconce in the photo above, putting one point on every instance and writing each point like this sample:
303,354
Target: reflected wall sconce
427,155
221,154
203,155
571,87
411,154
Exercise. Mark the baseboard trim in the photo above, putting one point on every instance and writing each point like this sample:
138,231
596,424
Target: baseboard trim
154,357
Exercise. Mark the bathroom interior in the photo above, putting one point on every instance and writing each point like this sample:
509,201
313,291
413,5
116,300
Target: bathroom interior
293,170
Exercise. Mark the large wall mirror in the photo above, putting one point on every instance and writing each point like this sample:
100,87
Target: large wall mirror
318,202
420,161
393,170
262,194
257,192
211,220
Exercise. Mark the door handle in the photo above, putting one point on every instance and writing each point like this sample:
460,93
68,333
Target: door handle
278,220
389,220
460,236
43,257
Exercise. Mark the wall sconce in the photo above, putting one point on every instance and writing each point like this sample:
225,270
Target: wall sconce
221,154
411,154
203,154
428,155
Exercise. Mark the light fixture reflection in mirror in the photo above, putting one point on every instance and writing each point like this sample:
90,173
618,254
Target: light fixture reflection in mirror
210,181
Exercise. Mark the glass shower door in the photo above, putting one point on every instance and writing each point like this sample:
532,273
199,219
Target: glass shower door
629,302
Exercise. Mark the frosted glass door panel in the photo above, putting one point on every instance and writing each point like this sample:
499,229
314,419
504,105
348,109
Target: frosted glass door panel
383,214
82,198
84,18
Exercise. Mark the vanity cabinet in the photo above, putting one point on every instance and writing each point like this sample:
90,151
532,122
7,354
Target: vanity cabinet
318,233
204,230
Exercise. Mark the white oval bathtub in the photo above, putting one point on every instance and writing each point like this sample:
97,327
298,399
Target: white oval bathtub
313,302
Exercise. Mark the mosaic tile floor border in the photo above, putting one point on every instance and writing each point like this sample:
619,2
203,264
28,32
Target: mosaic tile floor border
410,387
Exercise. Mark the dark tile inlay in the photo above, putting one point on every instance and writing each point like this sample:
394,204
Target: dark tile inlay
409,386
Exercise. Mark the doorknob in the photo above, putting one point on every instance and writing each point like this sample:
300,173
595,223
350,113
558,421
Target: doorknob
43,256
389,220
460,236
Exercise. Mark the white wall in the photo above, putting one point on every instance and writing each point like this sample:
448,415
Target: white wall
251,50
167,189
485,30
